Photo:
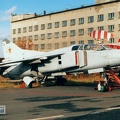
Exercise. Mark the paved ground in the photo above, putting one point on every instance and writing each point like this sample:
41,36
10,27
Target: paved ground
60,103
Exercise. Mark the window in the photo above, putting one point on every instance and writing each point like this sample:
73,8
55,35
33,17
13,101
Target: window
72,22
19,30
72,32
57,34
64,23
56,24
81,42
24,30
56,45
90,42
36,46
49,25
110,28
30,37
110,16
14,40
72,42
30,28
42,46
90,19
90,30
81,32
42,36
101,28
14,31
42,26
49,45
24,38
100,17
36,28
119,14
64,34
49,35
111,40
36,37
119,27
81,20
64,44
19,38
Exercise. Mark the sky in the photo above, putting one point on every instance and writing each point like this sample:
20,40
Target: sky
8,7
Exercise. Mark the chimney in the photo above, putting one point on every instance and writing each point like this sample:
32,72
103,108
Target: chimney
35,14
44,12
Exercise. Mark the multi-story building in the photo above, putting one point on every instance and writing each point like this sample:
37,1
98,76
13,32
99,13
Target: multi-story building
103,1
64,28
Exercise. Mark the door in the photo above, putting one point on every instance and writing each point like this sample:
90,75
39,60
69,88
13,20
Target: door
82,58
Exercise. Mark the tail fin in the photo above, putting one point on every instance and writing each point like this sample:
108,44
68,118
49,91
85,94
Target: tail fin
11,51
119,41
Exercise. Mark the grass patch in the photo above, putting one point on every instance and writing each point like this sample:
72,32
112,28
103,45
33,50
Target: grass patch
84,78
72,80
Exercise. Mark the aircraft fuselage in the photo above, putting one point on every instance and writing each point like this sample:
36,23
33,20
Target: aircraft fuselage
70,62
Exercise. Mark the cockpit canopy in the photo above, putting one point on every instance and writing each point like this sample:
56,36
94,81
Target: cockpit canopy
96,47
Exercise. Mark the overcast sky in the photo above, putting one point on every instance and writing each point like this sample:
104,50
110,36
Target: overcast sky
8,7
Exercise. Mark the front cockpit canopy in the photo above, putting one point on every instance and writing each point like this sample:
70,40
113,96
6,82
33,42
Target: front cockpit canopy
96,47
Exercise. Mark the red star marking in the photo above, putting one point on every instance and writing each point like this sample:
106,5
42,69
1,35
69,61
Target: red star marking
9,50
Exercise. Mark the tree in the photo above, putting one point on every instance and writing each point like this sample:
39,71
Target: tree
25,44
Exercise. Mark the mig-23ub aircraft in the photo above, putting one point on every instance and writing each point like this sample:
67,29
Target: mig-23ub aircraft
19,63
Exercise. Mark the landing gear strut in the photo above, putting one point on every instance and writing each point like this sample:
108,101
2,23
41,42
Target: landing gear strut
108,84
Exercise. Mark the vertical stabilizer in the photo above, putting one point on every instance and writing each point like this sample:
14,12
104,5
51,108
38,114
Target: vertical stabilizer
11,51
119,41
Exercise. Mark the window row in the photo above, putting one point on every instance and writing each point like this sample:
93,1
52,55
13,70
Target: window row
64,44
58,45
55,35
64,23
79,32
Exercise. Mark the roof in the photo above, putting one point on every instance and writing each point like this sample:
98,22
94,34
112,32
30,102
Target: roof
67,10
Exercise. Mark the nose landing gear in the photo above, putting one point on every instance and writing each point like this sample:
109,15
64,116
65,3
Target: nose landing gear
109,83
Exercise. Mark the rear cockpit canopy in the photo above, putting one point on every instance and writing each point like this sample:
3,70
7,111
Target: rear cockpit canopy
96,47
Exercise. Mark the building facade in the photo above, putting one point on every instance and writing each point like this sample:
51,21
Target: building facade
103,1
64,28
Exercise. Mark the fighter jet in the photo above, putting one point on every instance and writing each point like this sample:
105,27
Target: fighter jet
19,63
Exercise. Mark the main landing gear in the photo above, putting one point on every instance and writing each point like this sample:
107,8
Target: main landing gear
43,81
111,80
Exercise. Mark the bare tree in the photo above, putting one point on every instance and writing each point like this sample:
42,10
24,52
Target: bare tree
25,44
